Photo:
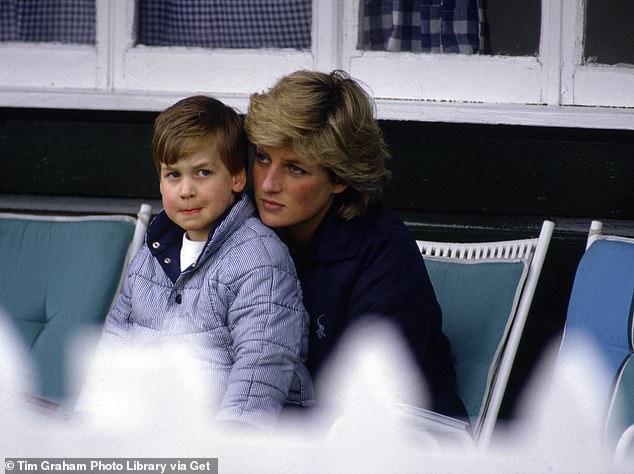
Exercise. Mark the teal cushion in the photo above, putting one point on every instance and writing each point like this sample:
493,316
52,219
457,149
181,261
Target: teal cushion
59,278
477,299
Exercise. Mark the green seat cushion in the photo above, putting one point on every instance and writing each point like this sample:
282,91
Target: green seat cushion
58,279
477,299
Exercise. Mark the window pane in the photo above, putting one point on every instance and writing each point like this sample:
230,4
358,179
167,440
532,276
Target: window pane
609,36
421,26
451,26
513,27
225,24
64,21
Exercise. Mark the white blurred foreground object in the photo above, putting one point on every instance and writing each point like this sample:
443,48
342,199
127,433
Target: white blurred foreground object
376,386
16,372
625,447
154,389
557,432
562,420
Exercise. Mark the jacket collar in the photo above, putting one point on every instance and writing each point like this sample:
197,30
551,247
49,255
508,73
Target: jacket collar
164,238
336,238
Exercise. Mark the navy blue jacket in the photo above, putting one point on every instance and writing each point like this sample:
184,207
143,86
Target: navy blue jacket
371,265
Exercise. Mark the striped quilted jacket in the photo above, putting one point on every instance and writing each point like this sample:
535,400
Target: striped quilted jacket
238,309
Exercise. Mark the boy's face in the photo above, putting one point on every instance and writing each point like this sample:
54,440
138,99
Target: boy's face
197,189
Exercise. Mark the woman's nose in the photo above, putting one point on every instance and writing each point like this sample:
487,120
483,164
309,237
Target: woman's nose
270,181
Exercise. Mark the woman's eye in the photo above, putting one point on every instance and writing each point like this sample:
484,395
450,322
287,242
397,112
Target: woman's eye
296,170
261,157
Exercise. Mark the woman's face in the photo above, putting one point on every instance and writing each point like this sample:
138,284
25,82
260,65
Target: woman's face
292,195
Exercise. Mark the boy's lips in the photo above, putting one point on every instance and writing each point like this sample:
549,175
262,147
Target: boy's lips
189,212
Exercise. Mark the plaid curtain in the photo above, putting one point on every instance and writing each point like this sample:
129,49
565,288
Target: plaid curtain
424,26
225,23
65,21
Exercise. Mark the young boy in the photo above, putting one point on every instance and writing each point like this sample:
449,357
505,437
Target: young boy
212,275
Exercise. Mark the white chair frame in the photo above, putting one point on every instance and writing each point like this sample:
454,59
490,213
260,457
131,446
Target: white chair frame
531,250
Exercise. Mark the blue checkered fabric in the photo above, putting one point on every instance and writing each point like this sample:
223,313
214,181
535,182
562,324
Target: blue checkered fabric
423,26
226,23
64,21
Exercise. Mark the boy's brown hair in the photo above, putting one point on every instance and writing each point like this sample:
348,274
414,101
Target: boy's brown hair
197,122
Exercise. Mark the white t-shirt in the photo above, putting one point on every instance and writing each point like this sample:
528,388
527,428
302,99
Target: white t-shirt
190,250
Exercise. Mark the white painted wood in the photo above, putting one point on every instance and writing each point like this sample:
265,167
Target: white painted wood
388,109
492,79
550,49
102,43
47,65
537,115
351,24
102,100
327,34
611,86
121,41
212,71
571,47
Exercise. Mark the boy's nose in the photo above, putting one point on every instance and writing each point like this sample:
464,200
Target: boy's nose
186,189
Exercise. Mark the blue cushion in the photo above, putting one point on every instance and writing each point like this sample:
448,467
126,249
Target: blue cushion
477,298
602,302
58,278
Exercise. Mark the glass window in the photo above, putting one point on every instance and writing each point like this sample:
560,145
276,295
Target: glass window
225,24
422,26
512,28
495,27
60,21
609,36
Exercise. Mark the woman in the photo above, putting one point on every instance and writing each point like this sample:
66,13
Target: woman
318,171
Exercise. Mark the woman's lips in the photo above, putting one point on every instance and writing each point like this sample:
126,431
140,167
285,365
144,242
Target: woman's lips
271,206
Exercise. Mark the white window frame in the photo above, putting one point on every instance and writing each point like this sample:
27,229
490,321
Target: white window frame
590,84
552,89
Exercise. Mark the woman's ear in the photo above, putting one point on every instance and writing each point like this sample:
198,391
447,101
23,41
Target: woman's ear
239,181
339,187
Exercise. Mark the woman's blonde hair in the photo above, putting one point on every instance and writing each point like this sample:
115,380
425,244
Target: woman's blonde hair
327,119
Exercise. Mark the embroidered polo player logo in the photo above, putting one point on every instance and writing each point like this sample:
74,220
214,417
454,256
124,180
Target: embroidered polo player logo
321,329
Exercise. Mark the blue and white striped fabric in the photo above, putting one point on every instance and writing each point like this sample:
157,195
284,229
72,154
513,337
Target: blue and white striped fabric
226,23
423,26
63,21
238,311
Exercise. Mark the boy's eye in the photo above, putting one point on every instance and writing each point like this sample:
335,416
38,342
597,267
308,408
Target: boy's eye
172,174
204,173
